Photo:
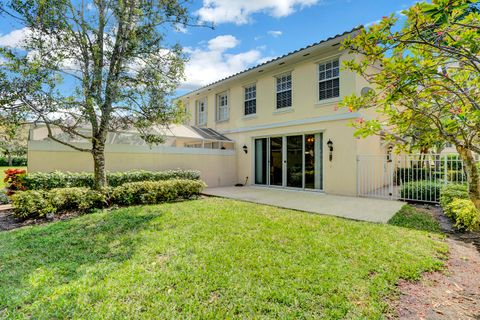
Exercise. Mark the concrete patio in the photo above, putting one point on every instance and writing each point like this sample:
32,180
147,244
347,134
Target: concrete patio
365,209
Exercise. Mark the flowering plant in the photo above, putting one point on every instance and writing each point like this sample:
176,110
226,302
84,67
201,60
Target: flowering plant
13,180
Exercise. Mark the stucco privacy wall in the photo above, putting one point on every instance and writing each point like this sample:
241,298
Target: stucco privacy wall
217,167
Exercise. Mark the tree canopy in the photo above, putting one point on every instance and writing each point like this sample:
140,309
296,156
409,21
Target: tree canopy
94,64
426,76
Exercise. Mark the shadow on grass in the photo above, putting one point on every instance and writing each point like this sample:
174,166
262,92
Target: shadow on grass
415,218
65,251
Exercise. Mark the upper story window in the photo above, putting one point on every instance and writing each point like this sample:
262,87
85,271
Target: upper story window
329,80
201,111
251,99
223,111
284,91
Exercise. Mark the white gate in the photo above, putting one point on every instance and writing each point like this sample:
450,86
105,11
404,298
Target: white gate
412,177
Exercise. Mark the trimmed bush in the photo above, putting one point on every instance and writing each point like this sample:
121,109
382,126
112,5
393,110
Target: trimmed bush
35,203
16,162
452,161
76,199
464,214
152,192
31,204
403,175
421,190
450,192
47,181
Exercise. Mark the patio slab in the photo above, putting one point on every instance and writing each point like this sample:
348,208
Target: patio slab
364,209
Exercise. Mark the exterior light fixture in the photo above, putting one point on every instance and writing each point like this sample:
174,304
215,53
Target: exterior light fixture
245,149
389,153
330,148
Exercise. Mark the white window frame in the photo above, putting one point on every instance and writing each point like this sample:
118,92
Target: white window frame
222,106
250,96
334,76
201,117
288,87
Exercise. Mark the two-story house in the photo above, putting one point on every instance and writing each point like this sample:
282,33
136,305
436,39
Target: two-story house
283,116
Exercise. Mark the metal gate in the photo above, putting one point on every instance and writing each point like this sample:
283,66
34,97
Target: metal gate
412,177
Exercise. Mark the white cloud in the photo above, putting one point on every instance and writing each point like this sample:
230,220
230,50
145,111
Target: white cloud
222,43
212,62
275,33
239,12
15,38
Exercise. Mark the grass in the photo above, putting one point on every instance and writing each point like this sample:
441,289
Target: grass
414,218
2,175
208,258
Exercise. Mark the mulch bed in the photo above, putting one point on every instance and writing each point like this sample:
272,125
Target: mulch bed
8,222
453,293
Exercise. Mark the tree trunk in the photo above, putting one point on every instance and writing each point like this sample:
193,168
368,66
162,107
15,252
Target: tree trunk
10,159
473,177
99,173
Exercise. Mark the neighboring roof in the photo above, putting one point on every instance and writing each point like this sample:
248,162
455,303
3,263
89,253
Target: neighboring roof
175,131
274,60
209,134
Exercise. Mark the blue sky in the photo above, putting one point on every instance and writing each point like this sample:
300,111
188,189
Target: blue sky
252,31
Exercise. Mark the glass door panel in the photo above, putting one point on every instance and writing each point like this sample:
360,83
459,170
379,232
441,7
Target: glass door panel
276,161
294,167
313,161
261,161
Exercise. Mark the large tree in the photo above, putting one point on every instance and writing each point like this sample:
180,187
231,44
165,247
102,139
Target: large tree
88,67
426,77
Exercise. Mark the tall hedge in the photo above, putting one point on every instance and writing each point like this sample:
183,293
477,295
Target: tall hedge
57,179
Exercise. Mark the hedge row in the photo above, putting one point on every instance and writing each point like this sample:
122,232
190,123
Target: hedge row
404,175
16,162
459,208
57,179
421,190
40,203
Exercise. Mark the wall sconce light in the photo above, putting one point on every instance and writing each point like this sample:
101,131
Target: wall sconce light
389,153
330,148
245,149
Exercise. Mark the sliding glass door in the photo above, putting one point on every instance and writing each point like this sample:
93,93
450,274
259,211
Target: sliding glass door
293,161
294,164
261,161
276,161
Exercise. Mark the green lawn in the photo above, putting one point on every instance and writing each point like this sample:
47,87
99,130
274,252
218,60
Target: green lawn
2,174
208,258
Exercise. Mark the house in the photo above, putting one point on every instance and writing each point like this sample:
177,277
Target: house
283,116
274,125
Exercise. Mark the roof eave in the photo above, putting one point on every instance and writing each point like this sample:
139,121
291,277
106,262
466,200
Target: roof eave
283,58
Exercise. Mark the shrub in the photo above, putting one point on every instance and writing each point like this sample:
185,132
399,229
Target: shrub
3,197
421,190
76,199
151,192
14,180
450,192
403,175
37,203
452,161
16,161
31,204
464,214
456,176
46,181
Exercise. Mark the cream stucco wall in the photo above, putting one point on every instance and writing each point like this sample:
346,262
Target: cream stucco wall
217,167
307,114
